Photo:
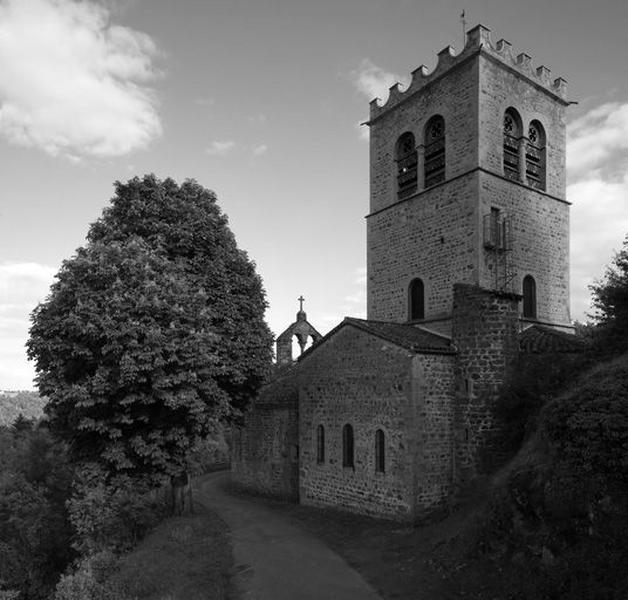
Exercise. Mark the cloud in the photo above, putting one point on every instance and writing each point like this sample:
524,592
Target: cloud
363,132
258,119
73,83
373,81
22,286
354,303
597,157
218,148
597,143
259,150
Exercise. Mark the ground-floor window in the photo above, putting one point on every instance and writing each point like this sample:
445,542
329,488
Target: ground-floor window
320,444
380,451
347,446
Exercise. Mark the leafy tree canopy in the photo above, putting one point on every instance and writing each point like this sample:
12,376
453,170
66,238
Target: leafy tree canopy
610,300
151,330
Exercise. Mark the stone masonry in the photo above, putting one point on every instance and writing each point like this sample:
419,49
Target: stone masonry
437,233
417,387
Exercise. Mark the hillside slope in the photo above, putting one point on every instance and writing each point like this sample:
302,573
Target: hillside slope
13,404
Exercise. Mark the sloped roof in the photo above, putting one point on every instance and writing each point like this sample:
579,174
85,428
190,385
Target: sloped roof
538,339
410,337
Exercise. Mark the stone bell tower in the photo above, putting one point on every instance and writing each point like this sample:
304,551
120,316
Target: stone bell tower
467,171
302,330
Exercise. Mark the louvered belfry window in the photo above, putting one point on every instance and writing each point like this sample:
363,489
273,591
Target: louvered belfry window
434,151
512,137
407,160
535,156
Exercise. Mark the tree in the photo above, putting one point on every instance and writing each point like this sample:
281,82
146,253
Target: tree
610,300
151,330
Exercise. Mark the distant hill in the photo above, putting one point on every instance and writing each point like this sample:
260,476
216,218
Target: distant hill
14,404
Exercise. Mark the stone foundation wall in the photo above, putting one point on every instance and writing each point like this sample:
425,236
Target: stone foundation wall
265,449
434,377
485,333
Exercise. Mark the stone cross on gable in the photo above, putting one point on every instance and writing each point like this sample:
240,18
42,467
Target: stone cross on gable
301,300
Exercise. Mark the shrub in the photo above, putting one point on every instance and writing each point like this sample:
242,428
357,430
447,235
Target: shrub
91,580
111,514
533,381
34,529
209,453
561,507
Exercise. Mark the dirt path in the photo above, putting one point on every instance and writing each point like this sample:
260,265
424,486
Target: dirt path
276,560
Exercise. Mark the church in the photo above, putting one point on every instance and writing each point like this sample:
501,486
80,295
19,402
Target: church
467,268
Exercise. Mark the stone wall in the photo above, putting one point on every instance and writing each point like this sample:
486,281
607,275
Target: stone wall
485,333
502,88
540,245
454,97
434,236
364,381
437,234
433,377
265,449
372,384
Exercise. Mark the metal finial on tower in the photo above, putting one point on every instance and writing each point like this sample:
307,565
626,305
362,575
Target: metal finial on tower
464,28
301,300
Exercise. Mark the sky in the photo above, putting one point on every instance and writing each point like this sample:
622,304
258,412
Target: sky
261,101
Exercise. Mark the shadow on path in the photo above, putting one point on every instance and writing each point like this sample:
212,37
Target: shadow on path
275,560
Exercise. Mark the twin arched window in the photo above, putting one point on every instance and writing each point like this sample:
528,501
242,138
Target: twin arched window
529,297
416,300
518,148
433,158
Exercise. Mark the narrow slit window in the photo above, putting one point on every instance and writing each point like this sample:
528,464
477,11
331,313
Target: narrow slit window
347,446
320,444
380,451
434,151
407,160
529,297
416,300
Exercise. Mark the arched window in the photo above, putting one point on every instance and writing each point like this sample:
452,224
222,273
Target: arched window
416,300
434,151
512,139
407,159
380,451
347,446
535,156
320,444
529,297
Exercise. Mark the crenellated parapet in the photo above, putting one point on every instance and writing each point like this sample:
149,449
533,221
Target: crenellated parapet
478,42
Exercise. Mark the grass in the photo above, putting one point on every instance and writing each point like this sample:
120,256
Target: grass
183,558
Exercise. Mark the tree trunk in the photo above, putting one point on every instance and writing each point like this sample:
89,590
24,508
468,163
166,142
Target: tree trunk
181,494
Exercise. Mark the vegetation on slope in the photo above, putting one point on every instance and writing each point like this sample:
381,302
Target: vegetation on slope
29,405
558,517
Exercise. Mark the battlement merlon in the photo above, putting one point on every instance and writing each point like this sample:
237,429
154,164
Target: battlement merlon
478,42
